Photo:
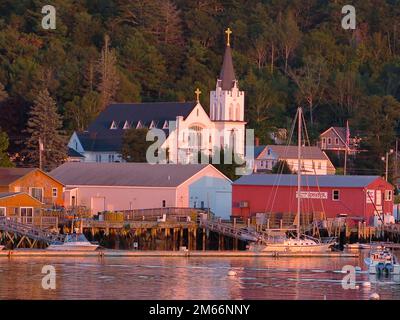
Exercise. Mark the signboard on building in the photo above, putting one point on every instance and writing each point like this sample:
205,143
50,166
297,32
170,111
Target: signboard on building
312,195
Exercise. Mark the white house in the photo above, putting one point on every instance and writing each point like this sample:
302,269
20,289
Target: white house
127,186
313,160
188,128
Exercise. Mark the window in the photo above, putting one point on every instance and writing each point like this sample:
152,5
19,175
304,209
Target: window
54,192
319,166
98,157
336,141
114,125
202,204
388,195
323,140
329,141
164,203
26,214
2,212
127,125
197,112
335,195
110,158
37,193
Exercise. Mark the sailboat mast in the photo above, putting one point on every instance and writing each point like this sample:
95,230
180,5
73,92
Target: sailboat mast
299,118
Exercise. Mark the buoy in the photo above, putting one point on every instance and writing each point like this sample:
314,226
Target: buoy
232,273
374,296
366,284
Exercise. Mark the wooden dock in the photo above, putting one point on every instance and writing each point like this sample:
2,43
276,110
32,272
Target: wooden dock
150,253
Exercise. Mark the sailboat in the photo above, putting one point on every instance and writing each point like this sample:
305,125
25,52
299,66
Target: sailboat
301,243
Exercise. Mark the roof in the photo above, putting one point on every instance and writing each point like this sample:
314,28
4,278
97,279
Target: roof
258,150
99,136
125,174
8,194
74,154
9,175
306,180
290,152
227,74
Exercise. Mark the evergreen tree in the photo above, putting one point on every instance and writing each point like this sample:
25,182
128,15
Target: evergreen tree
281,167
107,70
135,145
45,126
4,158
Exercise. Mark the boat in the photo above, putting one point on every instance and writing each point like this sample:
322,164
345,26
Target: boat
382,261
357,246
300,243
73,242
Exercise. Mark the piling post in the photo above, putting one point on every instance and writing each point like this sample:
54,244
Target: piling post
189,239
195,238
204,240
181,237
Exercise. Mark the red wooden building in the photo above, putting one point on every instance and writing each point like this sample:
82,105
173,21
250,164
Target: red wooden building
351,196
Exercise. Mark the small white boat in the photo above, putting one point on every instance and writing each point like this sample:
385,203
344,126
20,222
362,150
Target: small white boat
73,242
382,261
357,246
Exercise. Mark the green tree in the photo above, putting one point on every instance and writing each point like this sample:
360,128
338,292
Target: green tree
4,158
134,145
45,126
281,167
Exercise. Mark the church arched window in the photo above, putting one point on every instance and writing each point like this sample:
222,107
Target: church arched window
238,112
195,137
220,117
231,111
232,140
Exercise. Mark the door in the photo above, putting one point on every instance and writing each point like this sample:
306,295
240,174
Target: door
223,204
98,204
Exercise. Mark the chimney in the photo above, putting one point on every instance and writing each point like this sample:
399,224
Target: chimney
257,141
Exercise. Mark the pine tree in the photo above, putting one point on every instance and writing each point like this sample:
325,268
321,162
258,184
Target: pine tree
44,125
3,93
107,70
4,158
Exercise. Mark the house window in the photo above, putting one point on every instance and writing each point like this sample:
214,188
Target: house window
2,211
202,204
336,141
335,195
197,112
388,195
98,157
114,125
329,141
110,158
26,214
319,166
323,140
37,193
164,204
54,192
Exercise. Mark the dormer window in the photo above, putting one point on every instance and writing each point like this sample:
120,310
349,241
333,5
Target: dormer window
127,125
139,125
114,125
165,125
153,124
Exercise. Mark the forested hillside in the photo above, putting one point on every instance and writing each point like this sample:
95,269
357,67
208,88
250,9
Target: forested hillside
286,53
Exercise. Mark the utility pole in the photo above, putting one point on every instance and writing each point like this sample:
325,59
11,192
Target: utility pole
386,159
40,153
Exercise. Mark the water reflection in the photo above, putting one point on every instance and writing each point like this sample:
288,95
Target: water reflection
189,278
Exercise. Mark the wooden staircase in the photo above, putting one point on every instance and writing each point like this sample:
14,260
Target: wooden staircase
29,231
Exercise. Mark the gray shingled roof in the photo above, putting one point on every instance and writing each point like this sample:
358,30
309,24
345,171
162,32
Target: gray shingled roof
290,152
227,75
306,180
8,194
99,137
124,174
9,175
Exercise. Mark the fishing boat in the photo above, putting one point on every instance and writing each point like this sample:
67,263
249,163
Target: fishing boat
73,242
382,261
300,243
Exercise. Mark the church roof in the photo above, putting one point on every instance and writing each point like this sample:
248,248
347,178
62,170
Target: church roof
227,75
106,131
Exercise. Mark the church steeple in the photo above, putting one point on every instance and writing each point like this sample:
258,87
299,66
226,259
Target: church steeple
227,75
227,101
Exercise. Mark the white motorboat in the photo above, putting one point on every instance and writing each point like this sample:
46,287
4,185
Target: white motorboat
382,261
73,242
301,243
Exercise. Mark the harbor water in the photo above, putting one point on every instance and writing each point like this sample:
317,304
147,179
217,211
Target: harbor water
190,278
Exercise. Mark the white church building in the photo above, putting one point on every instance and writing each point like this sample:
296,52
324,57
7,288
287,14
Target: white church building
187,126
